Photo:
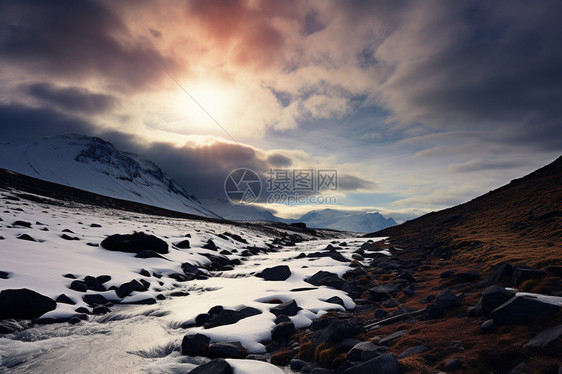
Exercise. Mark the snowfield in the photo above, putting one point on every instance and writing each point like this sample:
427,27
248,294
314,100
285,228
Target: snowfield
146,337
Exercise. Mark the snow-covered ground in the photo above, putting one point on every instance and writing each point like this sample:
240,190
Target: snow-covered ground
143,337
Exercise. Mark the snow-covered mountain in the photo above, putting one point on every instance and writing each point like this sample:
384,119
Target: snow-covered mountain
237,212
346,220
94,165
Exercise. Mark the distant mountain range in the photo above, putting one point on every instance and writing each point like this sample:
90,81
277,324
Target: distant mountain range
95,165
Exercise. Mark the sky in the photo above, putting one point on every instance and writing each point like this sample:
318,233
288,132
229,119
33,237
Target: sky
418,105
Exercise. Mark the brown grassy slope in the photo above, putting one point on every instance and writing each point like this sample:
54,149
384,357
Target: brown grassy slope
519,222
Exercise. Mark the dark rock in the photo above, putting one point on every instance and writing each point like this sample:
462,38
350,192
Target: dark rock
248,311
432,312
95,225
127,288
389,339
384,364
282,331
82,310
489,326
184,244
144,272
412,351
95,300
99,310
406,276
364,351
103,278
216,366
24,304
68,237
319,324
22,224
4,275
94,284
257,357
382,291
181,277
69,276
325,278
493,297
135,243
523,273
79,285
195,345
210,245
202,319
216,309
522,309
545,338
64,300
447,300
160,297
25,237
452,364
468,276
225,317
336,300
179,293
281,318
335,332
146,253
277,273
500,271
77,319
554,270
297,364
147,301
380,313
227,350
288,308
236,237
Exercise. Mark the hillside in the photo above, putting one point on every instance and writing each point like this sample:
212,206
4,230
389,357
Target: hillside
521,221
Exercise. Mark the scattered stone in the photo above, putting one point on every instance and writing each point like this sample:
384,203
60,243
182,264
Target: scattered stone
336,300
127,288
195,345
389,339
325,278
489,326
25,237
24,304
184,244
95,299
227,350
523,273
4,275
432,311
64,300
68,237
144,273
281,318
406,276
493,297
95,225
94,284
288,308
282,331
335,332
522,309
147,253
210,245
216,366
99,310
545,338
82,310
364,351
468,276
135,243
202,319
412,351
103,278
79,285
277,273
447,300
500,271
179,293
382,291
22,224
297,364
384,364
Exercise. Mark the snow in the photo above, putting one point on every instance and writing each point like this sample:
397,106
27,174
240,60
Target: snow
40,266
345,220
252,367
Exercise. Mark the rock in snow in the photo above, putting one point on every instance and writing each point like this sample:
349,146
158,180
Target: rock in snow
135,243
24,304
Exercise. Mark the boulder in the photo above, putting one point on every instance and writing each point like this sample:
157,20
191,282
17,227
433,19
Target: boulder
227,350
545,338
79,285
325,278
522,309
288,308
24,304
489,326
195,345
389,339
499,272
335,332
216,366
147,253
127,288
523,273
384,364
210,245
383,291
94,284
62,298
184,244
493,297
282,331
134,243
22,224
364,351
95,299
412,351
276,273
447,300
25,237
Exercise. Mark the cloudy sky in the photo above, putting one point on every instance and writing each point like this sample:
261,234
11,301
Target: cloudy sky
419,105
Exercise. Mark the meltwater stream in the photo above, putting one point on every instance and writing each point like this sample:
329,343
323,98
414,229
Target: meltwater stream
146,339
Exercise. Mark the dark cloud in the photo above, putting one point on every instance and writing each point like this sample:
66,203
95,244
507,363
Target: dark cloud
75,39
74,99
21,121
279,160
350,183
